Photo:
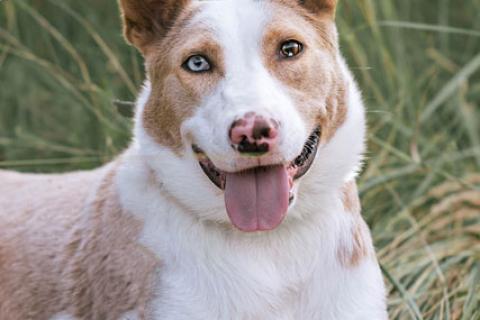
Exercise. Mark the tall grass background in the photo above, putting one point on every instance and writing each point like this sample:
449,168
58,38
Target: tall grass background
63,63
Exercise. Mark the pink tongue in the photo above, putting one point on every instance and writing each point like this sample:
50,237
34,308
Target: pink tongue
257,199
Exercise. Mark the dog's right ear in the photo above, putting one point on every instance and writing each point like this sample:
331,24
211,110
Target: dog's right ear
147,20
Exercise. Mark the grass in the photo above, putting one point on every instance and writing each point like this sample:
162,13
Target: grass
63,63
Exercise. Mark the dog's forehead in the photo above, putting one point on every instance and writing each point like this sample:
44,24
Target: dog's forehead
233,20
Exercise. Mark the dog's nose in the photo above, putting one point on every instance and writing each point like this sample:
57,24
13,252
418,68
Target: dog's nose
254,134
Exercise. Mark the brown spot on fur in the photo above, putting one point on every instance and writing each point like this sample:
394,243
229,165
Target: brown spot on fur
336,113
351,255
350,198
360,246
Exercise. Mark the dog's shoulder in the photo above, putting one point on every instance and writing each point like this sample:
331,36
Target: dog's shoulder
37,212
110,273
67,246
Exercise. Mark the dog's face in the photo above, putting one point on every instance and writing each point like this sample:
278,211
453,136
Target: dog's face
242,94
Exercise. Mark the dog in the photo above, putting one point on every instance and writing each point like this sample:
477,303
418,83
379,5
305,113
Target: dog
237,196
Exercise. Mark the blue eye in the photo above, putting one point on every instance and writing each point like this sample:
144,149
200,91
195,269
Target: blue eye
197,64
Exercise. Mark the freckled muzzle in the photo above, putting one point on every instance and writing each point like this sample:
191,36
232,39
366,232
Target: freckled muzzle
257,199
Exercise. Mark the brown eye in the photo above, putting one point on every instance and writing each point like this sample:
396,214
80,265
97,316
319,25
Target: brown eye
291,48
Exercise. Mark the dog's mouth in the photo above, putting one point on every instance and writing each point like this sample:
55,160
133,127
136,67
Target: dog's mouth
257,199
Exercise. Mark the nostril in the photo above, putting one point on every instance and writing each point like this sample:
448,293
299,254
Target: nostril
265,132
263,129
253,148
238,132
260,132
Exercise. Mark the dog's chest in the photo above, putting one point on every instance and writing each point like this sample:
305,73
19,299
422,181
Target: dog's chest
211,279
228,290
267,292
204,275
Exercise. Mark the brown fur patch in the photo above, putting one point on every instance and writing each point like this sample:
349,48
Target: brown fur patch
336,113
110,274
350,198
175,91
361,246
60,254
36,213
312,9
352,254
326,6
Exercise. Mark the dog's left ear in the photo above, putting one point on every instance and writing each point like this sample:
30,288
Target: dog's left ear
320,6
147,20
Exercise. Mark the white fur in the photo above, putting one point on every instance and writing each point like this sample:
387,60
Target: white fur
214,272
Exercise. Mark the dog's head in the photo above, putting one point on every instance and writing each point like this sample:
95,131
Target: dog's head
242,97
